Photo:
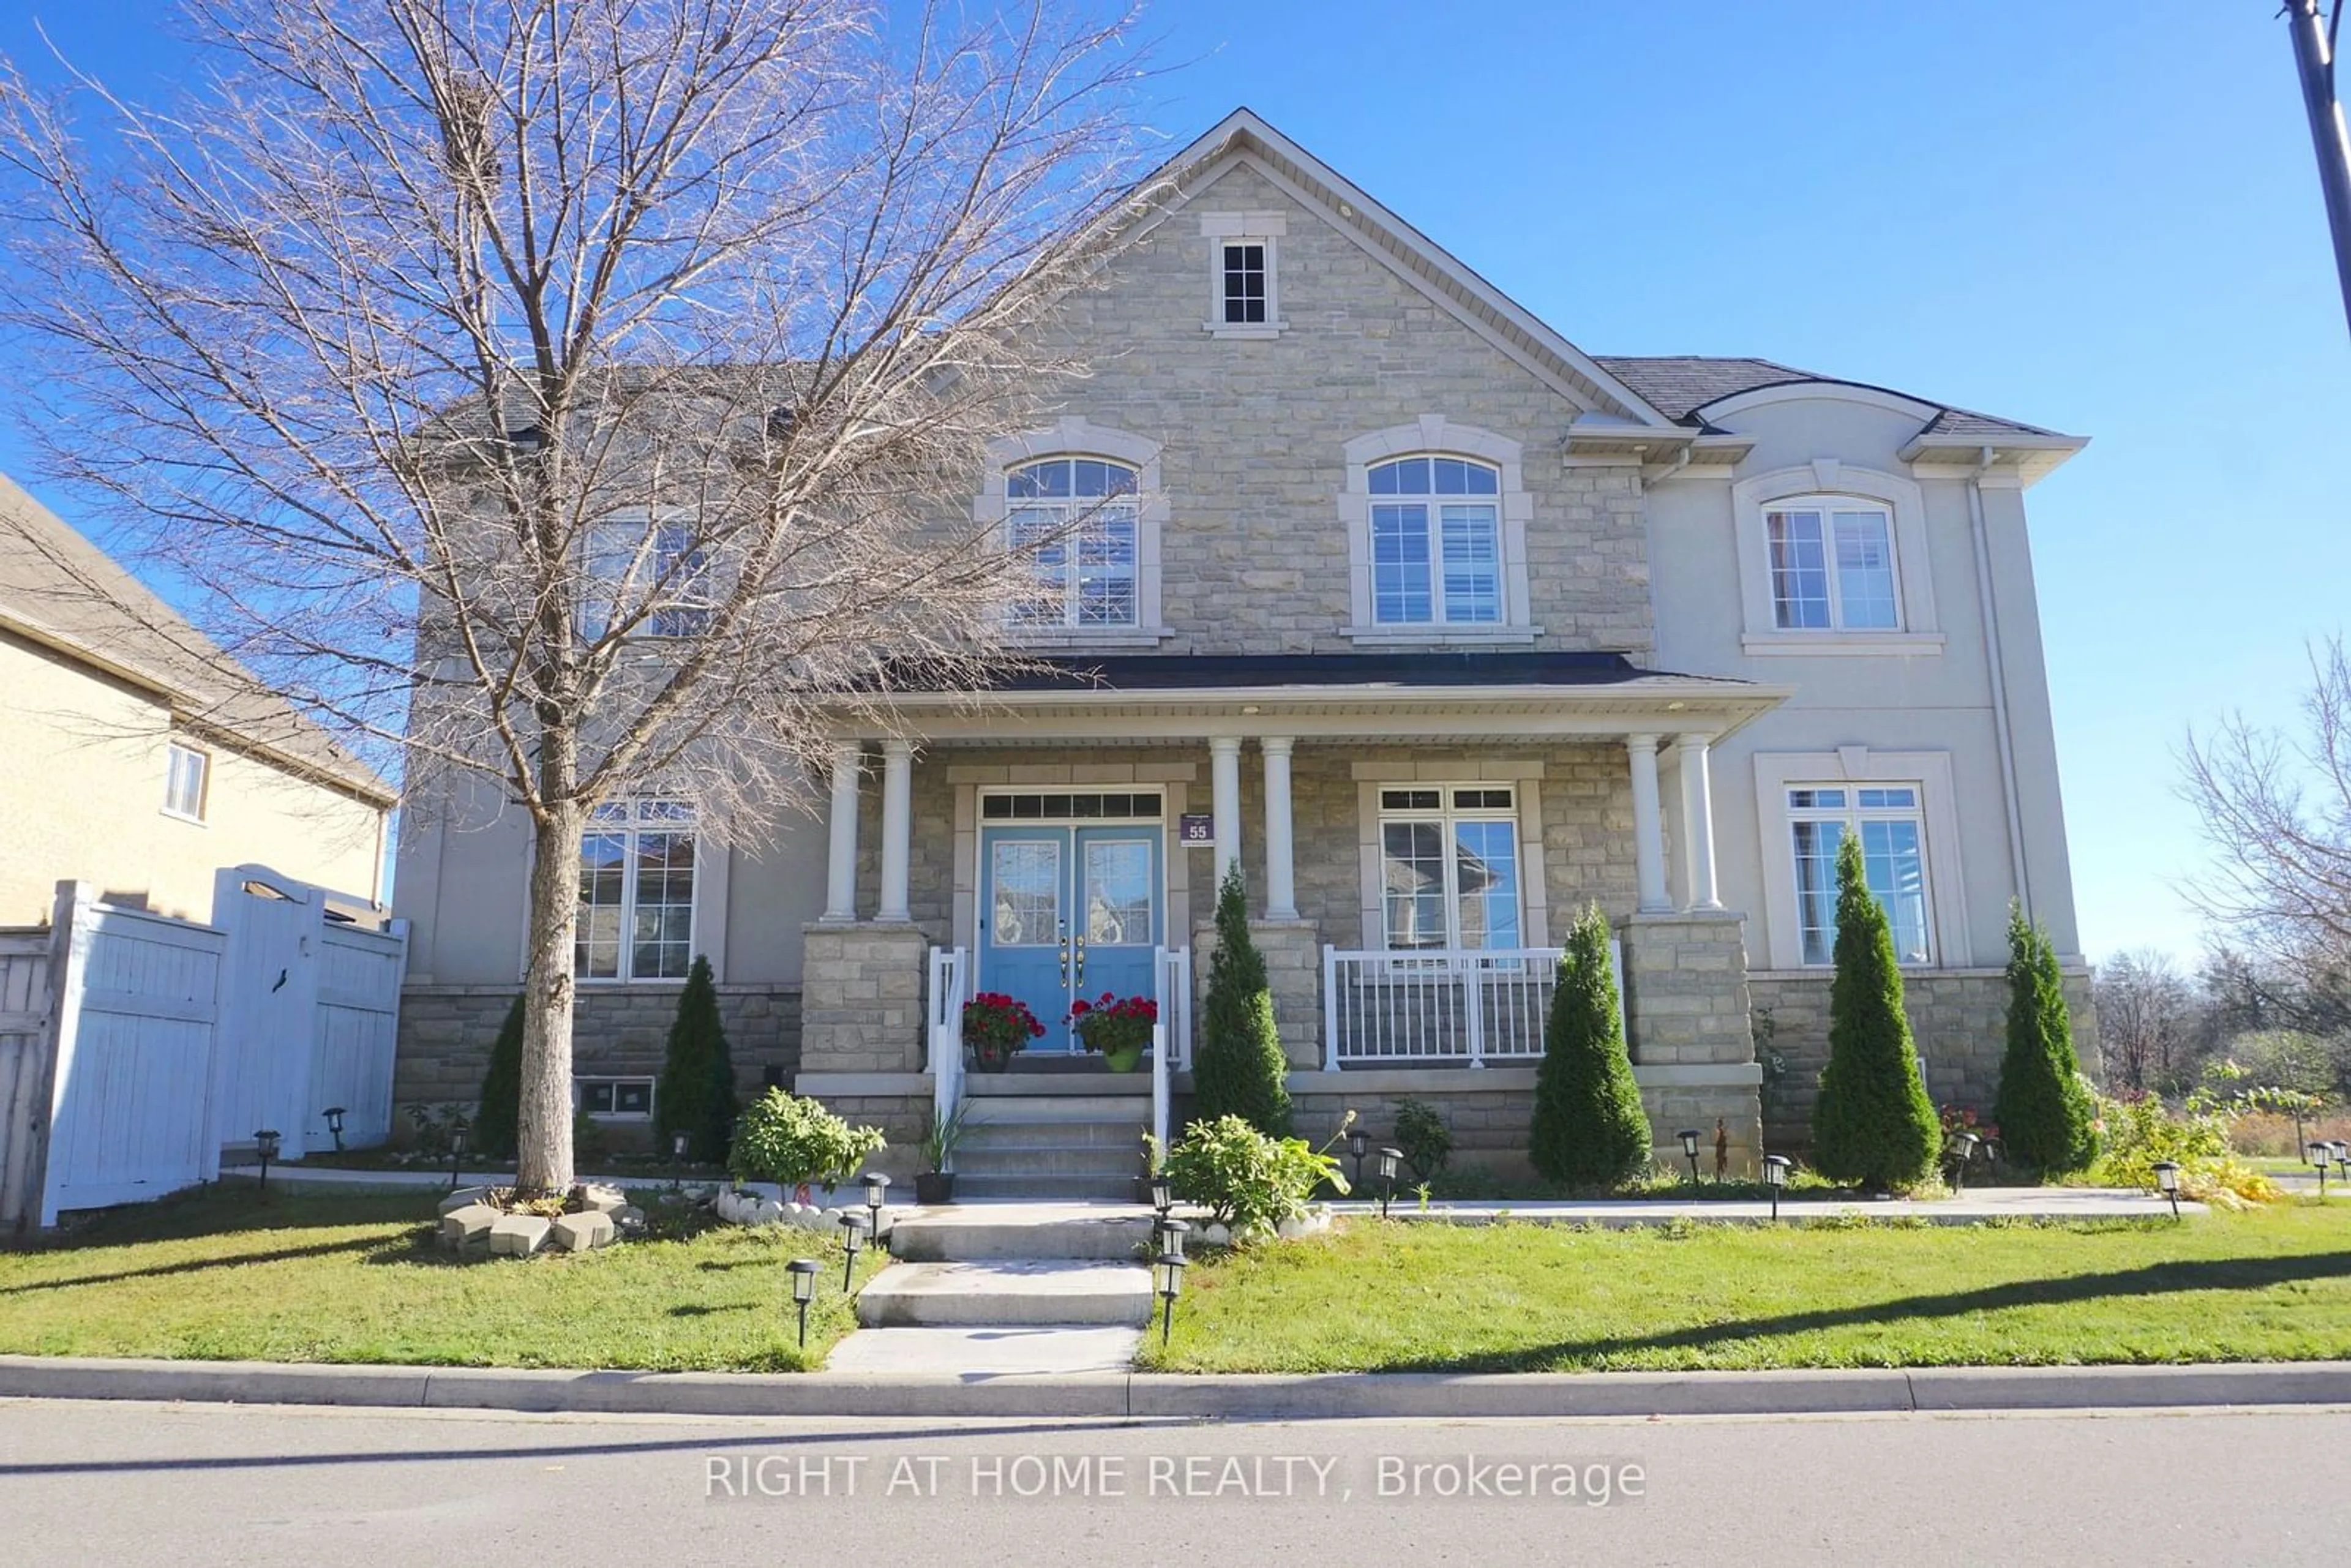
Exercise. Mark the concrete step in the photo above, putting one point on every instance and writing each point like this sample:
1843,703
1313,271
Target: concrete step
999,1350
1053,1084
1106,1161
1020,1291
993,1232
1057,1134
1028,1108
1066,1189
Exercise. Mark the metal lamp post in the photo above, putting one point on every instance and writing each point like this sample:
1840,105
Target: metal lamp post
1689,1136
1775,1176
265,1142
1389,1158
2167,1182
802,1274
334,1116
877,1187
1167,1280
852,1226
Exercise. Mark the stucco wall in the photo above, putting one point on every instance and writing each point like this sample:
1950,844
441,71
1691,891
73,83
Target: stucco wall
82,771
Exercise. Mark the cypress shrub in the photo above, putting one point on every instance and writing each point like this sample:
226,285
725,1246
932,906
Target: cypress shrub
1238,1067
1589,1129
697,1096
2047,1120
497,1116
1874,1124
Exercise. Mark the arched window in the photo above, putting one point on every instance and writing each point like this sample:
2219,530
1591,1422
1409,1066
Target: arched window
1436,542
1074,520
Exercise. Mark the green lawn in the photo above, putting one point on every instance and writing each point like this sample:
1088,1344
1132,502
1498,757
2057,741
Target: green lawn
230,1274
2270,1284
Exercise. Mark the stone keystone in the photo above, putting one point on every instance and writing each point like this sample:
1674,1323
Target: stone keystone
463,1227
578,1232
518,1235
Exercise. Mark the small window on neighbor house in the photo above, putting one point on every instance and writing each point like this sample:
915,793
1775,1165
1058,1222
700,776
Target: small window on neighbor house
615,1099
1832,565
185,780
1245,270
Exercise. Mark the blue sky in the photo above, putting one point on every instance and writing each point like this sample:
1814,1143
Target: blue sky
2100,218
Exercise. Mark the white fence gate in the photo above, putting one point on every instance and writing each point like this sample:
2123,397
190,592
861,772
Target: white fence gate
134,1046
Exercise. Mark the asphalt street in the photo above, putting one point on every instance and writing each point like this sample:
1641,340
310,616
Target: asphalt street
126,1483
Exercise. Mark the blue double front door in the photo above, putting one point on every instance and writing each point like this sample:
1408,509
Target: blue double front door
1069,912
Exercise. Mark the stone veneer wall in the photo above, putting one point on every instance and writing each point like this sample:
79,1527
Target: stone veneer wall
1958,1021
446,1033
862,998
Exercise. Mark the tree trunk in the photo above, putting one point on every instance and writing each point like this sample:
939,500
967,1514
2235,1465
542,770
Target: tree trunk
544,1145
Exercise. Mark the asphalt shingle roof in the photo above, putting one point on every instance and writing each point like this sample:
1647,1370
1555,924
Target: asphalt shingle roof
1677,386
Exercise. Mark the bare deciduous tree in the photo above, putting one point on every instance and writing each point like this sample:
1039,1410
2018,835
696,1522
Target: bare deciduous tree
2147,1018
2276,809
576,394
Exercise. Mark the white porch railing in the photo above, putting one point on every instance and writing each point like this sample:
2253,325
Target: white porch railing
1171,1037
1480,1005
949,988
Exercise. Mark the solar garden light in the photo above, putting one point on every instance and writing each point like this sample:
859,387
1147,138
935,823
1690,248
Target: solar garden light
2167,1182
802,1273
1359,1142
1163,1199
2343,1159
334,1116
456,1150
1167,1280
1968,1144
1171,1237
266,1143
852,1226
1388,1158
2318,1154
1775,1176
1689,1136
877,1187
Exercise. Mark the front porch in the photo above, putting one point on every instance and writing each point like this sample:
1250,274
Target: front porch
1410,846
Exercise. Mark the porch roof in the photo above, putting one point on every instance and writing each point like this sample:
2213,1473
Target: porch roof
1428,695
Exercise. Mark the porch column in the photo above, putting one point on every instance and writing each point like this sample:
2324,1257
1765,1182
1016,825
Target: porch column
1698,826
1648,825
898,826
841,855
1225,799
1281,888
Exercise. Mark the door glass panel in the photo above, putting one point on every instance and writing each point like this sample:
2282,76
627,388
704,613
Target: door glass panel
1026,894
1118,892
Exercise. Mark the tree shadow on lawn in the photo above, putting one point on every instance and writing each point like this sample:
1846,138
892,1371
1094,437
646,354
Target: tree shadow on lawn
2155,1280
223,1209
199,1265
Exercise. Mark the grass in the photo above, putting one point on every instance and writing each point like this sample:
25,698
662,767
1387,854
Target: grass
2271,1284
227,1273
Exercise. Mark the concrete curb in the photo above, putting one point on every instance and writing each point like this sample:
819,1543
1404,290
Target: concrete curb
1170,1397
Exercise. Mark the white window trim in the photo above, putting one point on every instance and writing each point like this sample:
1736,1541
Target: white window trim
578,1099
1776,772
1221,229
1079,437
203,784
705,932
1827,478
643,519
1525,777
1432,434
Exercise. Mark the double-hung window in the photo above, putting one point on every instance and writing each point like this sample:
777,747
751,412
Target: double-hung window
185,778
636,892
1073,519
647,568
1245,266
1436,542
1832,560
1892,828
1449,866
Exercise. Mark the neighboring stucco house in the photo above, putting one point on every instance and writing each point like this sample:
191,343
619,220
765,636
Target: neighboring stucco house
137,757
1448,628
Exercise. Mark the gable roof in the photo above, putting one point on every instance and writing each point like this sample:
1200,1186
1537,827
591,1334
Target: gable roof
1413,255
59,590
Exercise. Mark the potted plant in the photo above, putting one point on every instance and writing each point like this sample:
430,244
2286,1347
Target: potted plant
934,1182
1118,1027
794,1141
995,1026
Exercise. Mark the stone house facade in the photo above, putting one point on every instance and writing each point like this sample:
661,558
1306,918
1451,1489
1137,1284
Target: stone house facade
1438,627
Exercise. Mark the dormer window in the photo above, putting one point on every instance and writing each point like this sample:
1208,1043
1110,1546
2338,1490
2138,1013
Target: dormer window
1074,520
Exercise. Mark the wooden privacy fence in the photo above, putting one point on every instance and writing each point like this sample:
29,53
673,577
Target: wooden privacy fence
132,1046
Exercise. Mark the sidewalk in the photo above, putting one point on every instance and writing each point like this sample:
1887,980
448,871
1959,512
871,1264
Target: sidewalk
1159,1396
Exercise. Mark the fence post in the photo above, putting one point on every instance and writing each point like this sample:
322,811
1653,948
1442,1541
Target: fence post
69,939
